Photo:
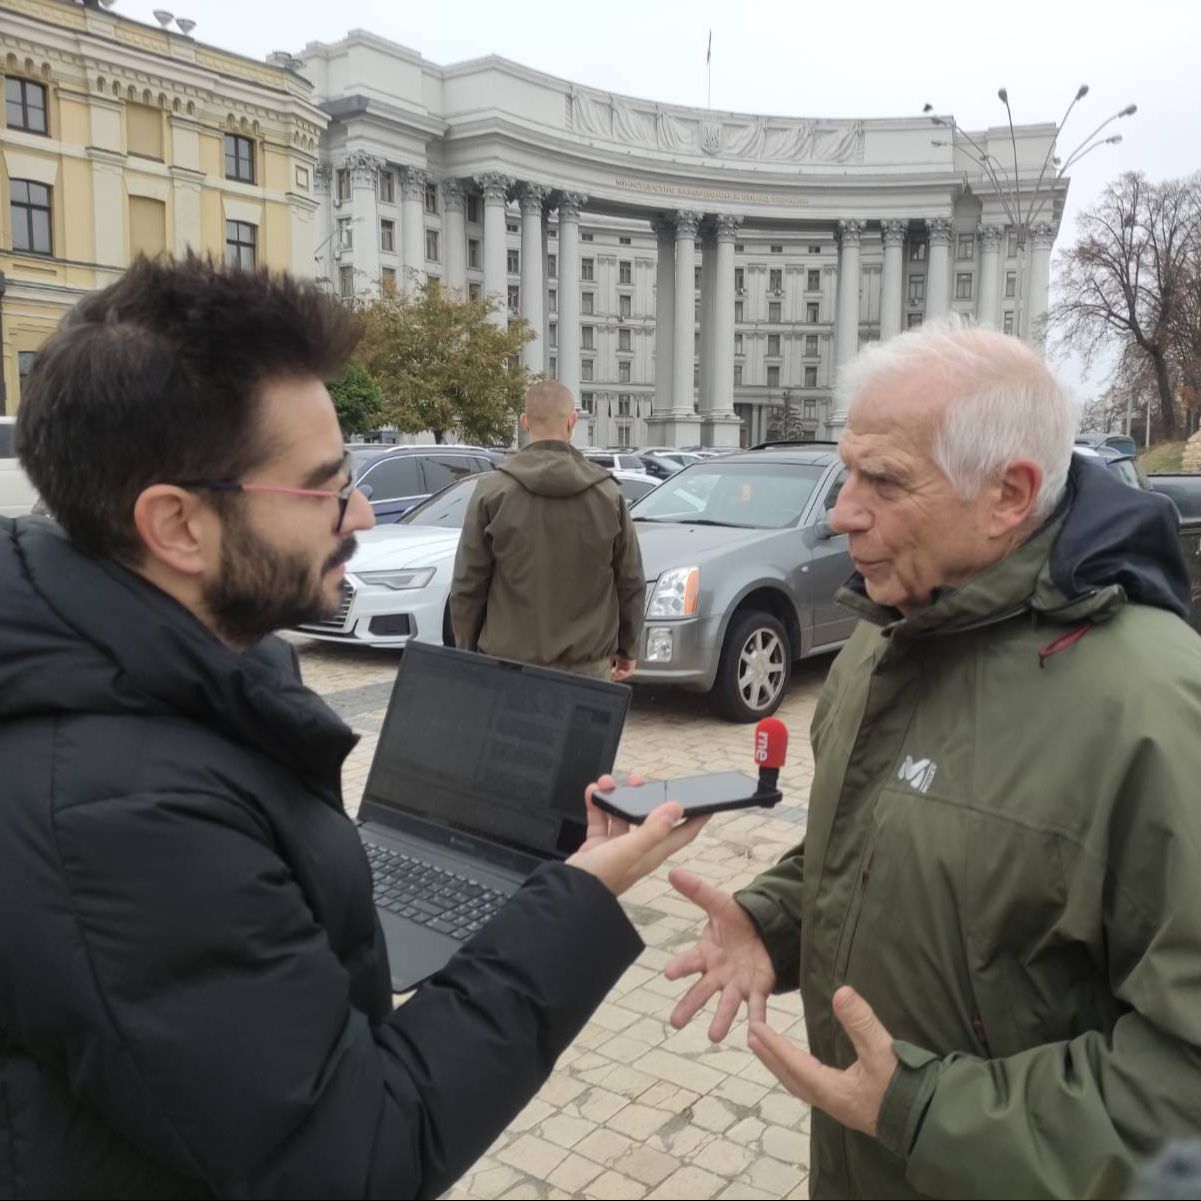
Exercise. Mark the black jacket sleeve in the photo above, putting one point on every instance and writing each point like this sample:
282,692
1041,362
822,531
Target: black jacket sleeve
215,1031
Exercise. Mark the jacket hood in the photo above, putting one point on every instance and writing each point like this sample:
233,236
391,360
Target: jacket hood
86,636
553,469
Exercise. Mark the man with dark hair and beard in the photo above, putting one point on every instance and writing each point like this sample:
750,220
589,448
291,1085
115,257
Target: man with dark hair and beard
194,990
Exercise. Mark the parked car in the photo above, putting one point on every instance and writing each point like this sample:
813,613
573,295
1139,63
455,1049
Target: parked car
634,485
17,495
1121,444
401,477
741,569
616,460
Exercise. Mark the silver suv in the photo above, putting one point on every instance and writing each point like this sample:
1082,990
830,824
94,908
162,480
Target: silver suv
741,569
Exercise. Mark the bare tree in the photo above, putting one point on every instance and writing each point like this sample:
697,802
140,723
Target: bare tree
1124,280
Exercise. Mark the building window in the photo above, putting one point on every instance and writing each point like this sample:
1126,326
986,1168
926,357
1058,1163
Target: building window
626,241
917,289
588,269
625,306
474,292
810,377
473,252
773,345
1011,283
342,184
810,402
587,238
25,105
345,233
917,252
25,361
623,371
773,377
512,227
346,282
586,370
387,186
738,344
625,272
696,277
387,236
815,250
514,298
777,280
30,209
240,244
588,302
737,375
553,333
1011,238
431,198
623,404
963,285
696,342
913,320
624,340
144,131
553,370
239,158
814,282
811,344
587,337
1008,321
473,208
777,250
514,262
587,402
388,281
739,279
811,313
738,311
552,301
552,266
432,251
773,312
967,247
147,226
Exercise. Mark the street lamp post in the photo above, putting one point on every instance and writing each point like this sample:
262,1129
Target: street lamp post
1008,187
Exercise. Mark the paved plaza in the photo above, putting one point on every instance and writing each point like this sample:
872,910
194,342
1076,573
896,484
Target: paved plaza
635,1109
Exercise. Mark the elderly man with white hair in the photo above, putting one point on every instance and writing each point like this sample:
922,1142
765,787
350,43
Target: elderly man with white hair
995,917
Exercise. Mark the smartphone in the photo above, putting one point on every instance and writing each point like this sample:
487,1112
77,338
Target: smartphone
697,794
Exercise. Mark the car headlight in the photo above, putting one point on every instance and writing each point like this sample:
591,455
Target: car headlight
398,581
677,594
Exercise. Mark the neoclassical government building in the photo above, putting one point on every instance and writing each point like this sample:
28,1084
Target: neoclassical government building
691,275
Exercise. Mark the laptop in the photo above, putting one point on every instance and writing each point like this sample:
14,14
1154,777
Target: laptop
478,777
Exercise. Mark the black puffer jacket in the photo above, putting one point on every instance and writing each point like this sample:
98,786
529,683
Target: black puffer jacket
194,992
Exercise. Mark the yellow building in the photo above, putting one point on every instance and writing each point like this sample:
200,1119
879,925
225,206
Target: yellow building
121,137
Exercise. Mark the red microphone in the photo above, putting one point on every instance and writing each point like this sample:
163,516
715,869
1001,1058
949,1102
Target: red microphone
771,746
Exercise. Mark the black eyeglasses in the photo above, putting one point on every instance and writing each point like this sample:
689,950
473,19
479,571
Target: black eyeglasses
342,495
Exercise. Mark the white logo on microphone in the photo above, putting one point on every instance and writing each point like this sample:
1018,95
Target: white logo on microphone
760,746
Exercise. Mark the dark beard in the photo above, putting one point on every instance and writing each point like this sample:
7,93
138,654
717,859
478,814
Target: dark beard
260,589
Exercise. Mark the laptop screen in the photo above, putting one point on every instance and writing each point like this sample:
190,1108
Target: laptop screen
495,749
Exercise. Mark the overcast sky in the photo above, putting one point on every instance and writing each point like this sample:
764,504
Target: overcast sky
859,59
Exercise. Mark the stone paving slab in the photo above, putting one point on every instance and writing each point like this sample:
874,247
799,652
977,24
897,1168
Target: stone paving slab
635,1109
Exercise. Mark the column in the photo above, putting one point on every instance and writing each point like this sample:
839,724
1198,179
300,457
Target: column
846,320
496,260
412,219
723,427
454,231
708,314
570,204
938,283
1043,237
665,314
685,322
533,356
990,271
364,229
892,284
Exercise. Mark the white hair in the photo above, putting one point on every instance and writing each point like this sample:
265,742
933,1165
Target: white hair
1003,402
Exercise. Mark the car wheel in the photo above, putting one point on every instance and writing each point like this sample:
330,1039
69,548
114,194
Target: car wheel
755,667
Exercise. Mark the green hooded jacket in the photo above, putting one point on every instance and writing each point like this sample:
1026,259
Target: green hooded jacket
1003,856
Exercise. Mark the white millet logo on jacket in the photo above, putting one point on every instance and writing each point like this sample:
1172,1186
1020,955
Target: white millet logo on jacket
918,773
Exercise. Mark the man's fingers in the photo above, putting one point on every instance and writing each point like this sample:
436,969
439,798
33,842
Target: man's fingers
799,1072
598,819
858,1019
699,892
694,1000
686,963
727,1010
756,1007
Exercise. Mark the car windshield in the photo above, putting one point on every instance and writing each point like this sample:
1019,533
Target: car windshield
763,496
447,508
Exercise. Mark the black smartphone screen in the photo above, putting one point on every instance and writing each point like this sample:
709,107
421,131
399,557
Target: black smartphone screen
698,794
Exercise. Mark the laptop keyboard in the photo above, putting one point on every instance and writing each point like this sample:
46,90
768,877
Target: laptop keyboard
441,900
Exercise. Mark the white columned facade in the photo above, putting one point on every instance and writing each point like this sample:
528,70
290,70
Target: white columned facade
412,222
990,273
892,282
682,400
533,354
1043,238
708,315
570,204
846,320
665,316
495,188
364,231
722,427
454,234
938,286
